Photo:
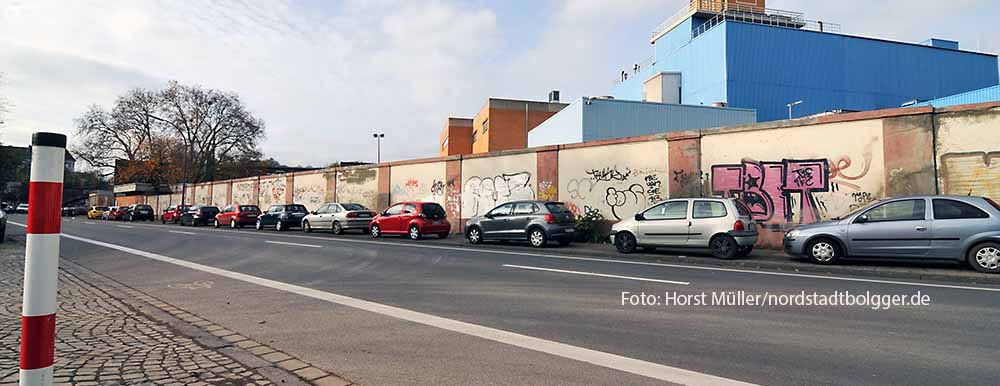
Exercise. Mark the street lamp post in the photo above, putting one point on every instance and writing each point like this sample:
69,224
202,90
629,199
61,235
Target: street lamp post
378,147
798,102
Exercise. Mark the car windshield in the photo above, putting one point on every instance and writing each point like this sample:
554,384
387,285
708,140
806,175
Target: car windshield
295,208
857,210
433,210
144,207
556,207
248,208
353,207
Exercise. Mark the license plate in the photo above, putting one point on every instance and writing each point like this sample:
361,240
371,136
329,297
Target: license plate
436,222
570,230
365,215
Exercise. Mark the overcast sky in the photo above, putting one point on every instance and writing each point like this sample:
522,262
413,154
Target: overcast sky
325,74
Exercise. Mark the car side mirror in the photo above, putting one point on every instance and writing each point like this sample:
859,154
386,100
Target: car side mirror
639,217
313,212
862,219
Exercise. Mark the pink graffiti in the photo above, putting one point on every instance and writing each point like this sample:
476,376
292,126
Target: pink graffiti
768,187
412,184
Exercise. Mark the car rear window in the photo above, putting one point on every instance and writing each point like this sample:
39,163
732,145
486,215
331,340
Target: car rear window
144,207
556,207
433,210
209,209
102,208
248,208
353,207
296,208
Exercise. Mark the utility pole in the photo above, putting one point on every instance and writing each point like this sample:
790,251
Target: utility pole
378,146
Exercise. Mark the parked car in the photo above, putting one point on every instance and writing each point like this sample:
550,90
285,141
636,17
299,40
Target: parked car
6,206
68,211
3,225
236,216
21,208
413,219
173,214
536,222
339,217
199,215
106,213
117,213
139,212
282,217
959,228
97,212
723,225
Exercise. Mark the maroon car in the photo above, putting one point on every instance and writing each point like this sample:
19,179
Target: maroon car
413,219
173,214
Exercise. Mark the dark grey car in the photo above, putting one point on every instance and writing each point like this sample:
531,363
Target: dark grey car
960,228
536,222
3,225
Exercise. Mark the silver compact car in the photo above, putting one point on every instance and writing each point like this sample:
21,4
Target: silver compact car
960,228
723,225
339,217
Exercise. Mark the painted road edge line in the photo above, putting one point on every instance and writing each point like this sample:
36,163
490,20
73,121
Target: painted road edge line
125,226
596,274
599,358
293,244
183,233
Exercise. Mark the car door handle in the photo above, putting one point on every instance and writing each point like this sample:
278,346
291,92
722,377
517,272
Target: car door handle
921,228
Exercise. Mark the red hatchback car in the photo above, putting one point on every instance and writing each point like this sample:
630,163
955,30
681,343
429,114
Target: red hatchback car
236,216
413,219
117,214
173,214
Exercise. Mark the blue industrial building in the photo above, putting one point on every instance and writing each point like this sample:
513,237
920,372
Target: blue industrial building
594,119
989,94
747,56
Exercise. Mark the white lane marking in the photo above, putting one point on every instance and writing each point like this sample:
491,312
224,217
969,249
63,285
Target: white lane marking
184,233
89,222
125,226
600,358
293,244
613,261
596,274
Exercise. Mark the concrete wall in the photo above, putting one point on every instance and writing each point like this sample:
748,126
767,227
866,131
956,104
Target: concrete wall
220,194
244,192
968,151
615,180
271,191
418,182
489,181
203,194
309,190
359,185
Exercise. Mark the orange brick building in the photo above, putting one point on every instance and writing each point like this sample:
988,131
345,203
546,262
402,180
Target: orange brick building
502,124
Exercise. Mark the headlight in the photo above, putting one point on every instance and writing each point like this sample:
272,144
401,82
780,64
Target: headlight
792,233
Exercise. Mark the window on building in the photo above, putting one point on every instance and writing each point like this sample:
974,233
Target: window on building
474,136
444,145
486,125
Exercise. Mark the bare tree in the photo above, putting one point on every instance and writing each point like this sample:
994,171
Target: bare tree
123,133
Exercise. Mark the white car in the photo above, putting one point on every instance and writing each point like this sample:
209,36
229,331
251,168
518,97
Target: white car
339,217
723,225
22,208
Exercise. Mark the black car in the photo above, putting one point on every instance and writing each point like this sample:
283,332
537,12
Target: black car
3,225
199,215
282,217
139,212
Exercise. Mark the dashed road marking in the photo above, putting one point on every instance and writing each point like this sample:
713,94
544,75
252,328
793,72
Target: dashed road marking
293,244
596,274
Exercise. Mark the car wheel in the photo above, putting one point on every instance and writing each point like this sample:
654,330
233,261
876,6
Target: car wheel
232,224
337,228
537,238
215,223
414,232
985,257
279,226
823,251
743,251
625,242
376,231
162,221
724,247
259,226
474,235
306,227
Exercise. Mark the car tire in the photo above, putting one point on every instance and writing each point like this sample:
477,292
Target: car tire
723,247
306,227
279,226
625,242
414,232
337,228
744,251
985,257
232,224
375,231
215,223
474,235
537,238
162,221
823,251
259,225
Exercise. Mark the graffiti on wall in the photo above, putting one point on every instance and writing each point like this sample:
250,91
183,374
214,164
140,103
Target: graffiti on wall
771,189
243,193
413,189
974,173
309,195
272,191
482,193
620,191
547,191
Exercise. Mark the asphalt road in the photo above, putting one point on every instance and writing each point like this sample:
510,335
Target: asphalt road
553,297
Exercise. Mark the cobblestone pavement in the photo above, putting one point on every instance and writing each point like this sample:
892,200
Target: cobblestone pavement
102,338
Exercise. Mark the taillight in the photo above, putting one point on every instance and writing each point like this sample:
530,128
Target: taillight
994,203
352,214
421,215
550,219
739,226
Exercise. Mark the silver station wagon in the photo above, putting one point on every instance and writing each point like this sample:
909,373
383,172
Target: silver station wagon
722,224
960,228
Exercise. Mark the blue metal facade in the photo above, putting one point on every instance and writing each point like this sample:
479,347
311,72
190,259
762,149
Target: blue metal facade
989,94
592,119
765,67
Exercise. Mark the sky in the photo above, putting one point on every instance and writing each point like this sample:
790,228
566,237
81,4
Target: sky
325,75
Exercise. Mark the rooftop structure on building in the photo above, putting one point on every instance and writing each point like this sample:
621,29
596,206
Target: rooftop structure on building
501,124
602,118
746,55
983,95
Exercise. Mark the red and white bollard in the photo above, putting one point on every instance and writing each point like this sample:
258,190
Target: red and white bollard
41,263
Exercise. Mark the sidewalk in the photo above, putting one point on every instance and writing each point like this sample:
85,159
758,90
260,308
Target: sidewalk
109,334
759,259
